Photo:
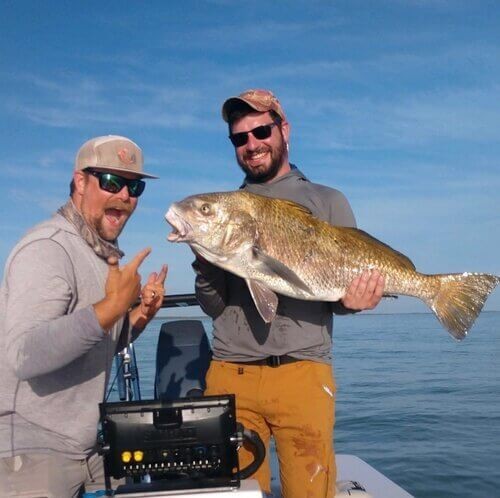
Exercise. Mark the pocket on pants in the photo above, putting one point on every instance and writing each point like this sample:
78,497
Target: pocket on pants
215,379
324,376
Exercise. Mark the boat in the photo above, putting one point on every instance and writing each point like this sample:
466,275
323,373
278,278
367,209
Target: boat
183,355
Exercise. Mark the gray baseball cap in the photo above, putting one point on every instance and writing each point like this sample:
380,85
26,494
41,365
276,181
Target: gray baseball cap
111,152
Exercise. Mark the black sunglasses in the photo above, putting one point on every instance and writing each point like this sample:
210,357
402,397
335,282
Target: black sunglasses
260,133
113,183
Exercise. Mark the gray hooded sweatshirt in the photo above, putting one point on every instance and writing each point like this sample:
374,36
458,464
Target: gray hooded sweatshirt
56,359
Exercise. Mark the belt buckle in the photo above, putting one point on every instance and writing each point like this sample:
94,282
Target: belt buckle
274,361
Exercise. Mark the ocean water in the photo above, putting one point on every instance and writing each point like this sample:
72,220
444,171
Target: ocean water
417,405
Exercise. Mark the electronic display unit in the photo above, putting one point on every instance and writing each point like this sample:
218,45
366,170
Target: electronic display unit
178,444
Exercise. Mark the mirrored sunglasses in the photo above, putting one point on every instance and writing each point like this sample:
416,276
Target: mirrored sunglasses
113,183
260,133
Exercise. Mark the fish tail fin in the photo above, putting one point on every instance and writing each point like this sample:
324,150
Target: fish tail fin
459,300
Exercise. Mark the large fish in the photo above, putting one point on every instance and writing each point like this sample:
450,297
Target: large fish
277,246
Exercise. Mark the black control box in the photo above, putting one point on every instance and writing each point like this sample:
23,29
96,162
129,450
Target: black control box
178,444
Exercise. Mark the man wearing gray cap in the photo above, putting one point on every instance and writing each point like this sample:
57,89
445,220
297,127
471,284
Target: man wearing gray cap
66,308
280,372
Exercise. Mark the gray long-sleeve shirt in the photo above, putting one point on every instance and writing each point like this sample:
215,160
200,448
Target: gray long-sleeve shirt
56,359
302,329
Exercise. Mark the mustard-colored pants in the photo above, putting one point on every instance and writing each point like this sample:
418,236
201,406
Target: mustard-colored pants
294,403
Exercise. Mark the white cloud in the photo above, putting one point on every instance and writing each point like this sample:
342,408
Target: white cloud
33,200
468,115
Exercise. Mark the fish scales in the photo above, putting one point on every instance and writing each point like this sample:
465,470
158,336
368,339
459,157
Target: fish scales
306,243
277,246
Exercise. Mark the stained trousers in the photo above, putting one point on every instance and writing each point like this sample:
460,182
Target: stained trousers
293,403
38,475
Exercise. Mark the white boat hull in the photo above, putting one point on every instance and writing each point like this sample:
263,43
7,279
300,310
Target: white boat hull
352,468
353,473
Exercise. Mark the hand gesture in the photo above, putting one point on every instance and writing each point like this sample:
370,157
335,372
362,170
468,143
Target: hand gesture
152,293
365,291
122,289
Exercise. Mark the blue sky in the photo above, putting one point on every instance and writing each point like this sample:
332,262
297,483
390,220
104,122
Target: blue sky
394,102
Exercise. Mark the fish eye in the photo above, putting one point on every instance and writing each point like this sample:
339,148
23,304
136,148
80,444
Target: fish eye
205,208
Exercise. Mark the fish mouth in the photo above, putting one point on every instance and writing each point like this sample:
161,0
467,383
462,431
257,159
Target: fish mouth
182,230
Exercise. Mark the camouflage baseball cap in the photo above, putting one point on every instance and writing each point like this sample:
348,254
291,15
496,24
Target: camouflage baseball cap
111,152
258,99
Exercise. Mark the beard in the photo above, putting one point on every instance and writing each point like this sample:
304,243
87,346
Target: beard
262,173
110,235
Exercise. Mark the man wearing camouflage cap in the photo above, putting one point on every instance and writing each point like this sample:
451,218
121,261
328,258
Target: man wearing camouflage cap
67,307
280,372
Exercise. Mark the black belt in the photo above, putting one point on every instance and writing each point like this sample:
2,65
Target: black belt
272,361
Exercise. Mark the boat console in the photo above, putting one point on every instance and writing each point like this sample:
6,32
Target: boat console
187,443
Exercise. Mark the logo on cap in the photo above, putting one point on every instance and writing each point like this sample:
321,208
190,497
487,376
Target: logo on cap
126,157
264,97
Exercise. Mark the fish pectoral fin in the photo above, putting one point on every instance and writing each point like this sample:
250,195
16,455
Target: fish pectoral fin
272,266
266,301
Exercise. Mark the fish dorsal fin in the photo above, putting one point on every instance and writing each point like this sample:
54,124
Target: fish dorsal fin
293,206
403,260
270,265
266,301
